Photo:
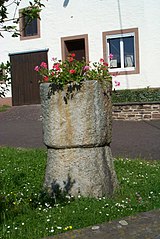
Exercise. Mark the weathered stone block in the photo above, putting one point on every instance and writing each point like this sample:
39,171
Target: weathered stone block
78,134
85,171
146,116
155,107
156,116
85,121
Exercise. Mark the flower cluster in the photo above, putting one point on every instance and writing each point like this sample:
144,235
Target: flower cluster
74,71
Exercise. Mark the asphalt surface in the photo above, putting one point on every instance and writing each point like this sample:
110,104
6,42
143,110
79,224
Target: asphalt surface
21,126
136,139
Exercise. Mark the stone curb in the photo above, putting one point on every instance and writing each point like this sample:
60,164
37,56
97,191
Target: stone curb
145,225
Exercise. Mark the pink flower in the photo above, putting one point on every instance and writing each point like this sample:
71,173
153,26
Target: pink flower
110,56
86,68
72,71
117,83
36,68
54,58
101,60
43,64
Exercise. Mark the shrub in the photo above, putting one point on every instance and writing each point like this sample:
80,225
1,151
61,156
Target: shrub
136,95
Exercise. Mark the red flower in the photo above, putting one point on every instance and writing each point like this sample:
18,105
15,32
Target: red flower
101,60
45,78
71,59
73,54
56,66
72,71
105,63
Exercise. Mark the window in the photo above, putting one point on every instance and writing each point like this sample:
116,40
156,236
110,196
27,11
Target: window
77,45
29,30
123,45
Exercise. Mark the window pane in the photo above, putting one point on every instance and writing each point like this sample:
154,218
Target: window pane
129,58
114,48
31,28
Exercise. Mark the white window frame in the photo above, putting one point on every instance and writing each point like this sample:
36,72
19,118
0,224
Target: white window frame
122,34
121,51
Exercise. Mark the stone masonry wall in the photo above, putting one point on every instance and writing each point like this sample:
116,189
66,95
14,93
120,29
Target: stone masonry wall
136,111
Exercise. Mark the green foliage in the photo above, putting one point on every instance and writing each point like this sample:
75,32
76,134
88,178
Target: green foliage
5,78
138,95
28,212
71,73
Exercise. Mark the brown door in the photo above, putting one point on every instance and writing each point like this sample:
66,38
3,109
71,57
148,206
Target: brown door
25,86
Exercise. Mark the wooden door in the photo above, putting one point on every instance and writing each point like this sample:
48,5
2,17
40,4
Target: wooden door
25,86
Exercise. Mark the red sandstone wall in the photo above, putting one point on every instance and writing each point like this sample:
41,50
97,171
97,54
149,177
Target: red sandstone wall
135,111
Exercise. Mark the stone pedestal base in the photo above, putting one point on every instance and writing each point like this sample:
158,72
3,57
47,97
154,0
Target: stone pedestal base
84,171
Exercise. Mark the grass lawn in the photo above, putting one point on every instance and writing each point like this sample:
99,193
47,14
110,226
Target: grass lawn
4,108
27,212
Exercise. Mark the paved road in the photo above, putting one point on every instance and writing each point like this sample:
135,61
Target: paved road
22,127
136,139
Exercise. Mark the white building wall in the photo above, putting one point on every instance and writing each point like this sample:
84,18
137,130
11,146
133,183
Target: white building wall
93,17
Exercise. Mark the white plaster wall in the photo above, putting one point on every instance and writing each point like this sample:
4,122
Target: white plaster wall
152,38
93,17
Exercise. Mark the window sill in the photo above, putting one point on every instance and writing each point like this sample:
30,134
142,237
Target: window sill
120,71
29,37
